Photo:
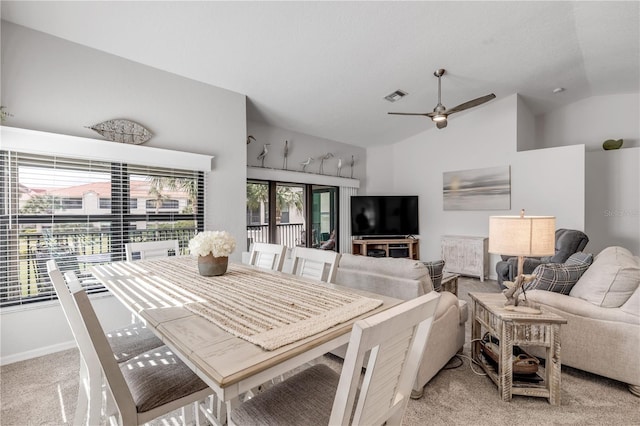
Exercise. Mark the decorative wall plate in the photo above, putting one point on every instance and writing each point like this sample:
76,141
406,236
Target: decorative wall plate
124,131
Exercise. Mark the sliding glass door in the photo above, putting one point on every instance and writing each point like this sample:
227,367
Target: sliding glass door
280,213
324,217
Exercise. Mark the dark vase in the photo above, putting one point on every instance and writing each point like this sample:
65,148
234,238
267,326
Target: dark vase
210,266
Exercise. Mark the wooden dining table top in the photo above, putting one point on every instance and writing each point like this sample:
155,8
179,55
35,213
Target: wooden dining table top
227,363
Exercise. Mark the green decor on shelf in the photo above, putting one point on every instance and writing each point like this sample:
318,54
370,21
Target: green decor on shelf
612,144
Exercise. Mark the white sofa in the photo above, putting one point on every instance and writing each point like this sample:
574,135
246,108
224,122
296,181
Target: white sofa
602,309
406,279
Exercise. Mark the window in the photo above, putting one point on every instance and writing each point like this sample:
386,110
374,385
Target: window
104,203
292,213
71,203
162,204
81,213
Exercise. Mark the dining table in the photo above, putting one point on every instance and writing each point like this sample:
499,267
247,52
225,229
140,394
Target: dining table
242,329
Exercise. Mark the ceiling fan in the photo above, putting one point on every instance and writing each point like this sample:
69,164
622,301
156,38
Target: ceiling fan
440,112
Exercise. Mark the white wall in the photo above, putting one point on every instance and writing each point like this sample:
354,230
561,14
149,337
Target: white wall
612,183
544,182
613,199
52,85
592,121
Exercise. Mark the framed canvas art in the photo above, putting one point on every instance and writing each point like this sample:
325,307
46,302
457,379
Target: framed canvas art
477,189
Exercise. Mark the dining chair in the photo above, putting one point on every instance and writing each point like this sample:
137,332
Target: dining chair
151,249
267,256
125,344
319,265
394,340
145,387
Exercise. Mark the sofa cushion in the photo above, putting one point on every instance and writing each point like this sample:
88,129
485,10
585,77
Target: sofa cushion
558,277
435,268
395,267
612,278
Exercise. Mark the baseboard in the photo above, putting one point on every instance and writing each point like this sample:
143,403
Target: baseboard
47,350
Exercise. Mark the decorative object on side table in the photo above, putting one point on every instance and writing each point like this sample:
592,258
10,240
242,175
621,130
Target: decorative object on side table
521,236
213,249
124,131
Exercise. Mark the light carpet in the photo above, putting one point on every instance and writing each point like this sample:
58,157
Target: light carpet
42,391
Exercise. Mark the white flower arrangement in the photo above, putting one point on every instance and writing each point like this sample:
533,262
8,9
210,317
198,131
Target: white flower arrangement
219,243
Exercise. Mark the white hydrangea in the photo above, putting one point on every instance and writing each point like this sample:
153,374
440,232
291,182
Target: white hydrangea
220,243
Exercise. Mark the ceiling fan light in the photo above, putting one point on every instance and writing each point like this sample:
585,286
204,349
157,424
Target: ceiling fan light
439,117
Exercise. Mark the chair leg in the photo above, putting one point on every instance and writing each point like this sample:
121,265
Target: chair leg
187,413
82,403
94,386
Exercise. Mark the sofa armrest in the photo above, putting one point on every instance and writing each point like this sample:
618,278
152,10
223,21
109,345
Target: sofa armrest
580,307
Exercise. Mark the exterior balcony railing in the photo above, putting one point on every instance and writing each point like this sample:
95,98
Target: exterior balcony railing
27,278
289,234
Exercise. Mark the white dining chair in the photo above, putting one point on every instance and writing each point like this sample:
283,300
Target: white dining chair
267,256
125,344
147,386
394,340
151,249
319,265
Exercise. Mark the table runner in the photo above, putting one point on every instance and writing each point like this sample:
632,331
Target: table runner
267,309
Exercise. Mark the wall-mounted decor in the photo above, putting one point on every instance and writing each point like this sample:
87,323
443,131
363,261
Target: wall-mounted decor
124,131
477,189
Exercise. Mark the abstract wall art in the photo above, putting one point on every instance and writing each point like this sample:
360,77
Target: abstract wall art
477,189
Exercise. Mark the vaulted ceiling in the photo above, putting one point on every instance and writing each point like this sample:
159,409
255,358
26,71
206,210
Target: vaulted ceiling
323,68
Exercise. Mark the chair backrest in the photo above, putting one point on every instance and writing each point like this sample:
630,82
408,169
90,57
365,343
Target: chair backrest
100,349
71,313
395,340
267,256
568,242
319,265
151,249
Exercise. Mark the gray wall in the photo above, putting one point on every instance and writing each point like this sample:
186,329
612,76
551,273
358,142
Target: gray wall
52,85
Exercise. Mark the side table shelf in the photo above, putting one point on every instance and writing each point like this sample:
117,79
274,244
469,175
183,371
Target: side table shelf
516,328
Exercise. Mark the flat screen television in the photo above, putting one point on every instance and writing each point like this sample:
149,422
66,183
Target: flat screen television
384,216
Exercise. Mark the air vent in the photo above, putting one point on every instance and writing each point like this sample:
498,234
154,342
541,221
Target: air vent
396,96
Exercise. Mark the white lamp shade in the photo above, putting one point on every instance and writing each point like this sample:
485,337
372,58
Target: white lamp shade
522,236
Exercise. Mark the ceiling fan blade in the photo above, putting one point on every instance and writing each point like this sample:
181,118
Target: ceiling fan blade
410,113
471,104
441,124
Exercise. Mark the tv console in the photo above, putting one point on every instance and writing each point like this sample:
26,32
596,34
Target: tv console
392,247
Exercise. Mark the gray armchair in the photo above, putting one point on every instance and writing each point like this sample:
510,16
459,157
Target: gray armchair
568,241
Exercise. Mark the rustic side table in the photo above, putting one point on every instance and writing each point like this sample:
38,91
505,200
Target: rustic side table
517,328
450,283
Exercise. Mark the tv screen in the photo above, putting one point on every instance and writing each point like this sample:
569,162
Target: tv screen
384,216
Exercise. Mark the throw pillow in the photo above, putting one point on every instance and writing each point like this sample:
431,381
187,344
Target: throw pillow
435,272
580,258
556,277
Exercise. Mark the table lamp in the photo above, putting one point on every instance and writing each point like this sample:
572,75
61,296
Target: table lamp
522,236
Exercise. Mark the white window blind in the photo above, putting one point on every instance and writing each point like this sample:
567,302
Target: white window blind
81,212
